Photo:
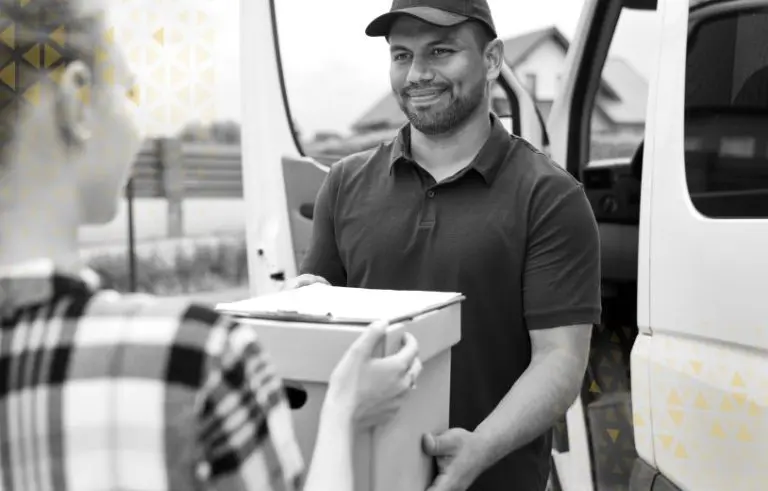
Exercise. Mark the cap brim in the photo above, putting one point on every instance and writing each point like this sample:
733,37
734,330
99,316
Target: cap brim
383,23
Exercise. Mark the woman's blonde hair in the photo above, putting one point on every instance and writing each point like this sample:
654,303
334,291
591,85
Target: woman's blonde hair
38,38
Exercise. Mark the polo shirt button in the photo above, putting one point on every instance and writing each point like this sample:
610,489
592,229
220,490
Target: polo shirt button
431,194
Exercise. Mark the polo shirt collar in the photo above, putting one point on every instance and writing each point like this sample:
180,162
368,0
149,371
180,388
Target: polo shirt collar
487,162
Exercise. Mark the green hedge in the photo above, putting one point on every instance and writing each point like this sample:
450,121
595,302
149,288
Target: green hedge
205,268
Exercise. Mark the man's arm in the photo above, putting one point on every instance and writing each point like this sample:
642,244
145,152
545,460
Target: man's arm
323,258
561,286
541,395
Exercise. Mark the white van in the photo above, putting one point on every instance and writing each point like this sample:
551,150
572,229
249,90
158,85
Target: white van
676,393
697,240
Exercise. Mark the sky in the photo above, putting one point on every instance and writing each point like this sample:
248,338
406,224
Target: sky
334,73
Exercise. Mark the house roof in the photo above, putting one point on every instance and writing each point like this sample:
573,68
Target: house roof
517,48
626,89
385,111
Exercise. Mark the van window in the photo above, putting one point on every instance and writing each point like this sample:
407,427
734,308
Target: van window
726,115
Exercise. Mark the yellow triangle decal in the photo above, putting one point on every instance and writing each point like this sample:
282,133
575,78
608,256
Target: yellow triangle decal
696,365
8,75
84,94
677,416
32,94
701,403
726,405
666,440
8,36
717,430
101,55
614,434
638,420
59,35
594,388
740,399
109,35
754,409
744,435
674,398
159,36
108,75
33,56
57,73
680,452
51,56
737,380
135,94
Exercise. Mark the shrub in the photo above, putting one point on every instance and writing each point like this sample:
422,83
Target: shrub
201,268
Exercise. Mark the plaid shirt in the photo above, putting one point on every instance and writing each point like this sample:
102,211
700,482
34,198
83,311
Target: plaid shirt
103,391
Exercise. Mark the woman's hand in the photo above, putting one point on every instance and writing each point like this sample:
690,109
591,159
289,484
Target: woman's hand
371,390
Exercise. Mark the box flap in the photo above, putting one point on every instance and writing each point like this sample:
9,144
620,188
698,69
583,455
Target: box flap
320,303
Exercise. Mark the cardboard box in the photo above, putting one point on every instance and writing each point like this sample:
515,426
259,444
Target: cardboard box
390,457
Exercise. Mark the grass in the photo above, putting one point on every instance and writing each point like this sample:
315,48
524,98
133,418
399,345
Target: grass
201,268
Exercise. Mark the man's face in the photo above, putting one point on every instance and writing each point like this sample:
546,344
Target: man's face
438,74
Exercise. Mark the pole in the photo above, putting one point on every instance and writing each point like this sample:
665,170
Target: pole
131,239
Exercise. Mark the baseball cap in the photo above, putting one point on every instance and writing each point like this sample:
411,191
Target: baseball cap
438,12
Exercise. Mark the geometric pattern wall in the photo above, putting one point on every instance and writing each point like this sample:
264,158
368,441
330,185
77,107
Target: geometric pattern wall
169,46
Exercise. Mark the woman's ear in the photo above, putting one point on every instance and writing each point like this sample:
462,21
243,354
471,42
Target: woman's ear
73,103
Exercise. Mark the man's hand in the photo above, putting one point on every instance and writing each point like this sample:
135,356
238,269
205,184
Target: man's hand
303,280
459,455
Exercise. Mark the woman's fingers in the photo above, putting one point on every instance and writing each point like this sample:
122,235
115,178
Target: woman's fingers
404,358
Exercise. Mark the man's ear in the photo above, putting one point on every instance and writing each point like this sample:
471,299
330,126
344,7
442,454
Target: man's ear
73,102
494,59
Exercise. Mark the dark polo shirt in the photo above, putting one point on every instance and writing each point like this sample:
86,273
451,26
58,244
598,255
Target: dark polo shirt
512,231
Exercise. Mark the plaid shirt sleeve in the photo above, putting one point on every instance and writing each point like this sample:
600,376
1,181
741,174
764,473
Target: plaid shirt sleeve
247,434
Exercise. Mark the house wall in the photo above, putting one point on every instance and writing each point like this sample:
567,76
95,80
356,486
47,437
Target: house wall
546,62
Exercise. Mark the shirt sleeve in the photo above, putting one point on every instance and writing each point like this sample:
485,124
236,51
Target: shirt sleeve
561,279
246,430
323,257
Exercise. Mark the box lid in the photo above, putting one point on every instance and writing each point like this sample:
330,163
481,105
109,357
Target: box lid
307,331
320,303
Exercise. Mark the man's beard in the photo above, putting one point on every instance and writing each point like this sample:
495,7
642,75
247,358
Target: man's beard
431,121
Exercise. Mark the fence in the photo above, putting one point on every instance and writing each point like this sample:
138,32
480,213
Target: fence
170,169
173,170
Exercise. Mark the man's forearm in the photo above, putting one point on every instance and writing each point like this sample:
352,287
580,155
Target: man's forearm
532,406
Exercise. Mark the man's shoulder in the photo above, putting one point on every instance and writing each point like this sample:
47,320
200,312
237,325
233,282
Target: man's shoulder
539,170
363,161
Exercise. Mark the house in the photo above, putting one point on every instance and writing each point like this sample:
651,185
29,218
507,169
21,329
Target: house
538,58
